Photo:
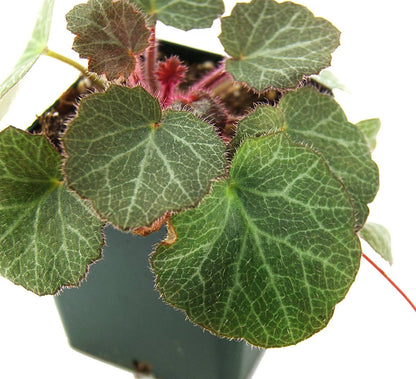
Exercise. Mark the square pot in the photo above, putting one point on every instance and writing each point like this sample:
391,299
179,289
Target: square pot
117,315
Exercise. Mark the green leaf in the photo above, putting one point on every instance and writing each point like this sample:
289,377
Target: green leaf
183,14
370,129
265,119
7,100
269,252
329,80
33,49
48,236
135,162
110,34
317,120
378,237
275,44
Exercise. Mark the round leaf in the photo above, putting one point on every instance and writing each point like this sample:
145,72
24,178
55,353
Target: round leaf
48,236
183,14
269,253
317,120
275,44
134,162
109,34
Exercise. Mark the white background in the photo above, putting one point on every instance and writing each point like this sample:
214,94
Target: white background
373,331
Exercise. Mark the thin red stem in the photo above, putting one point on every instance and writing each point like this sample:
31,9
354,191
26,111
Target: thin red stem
150,63
210,81
136,76
389,280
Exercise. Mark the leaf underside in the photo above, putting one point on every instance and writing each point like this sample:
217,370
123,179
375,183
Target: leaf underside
110,34
378,237
183,14
269,252
329,80
275,44
48,236
134,162
33,50
370,129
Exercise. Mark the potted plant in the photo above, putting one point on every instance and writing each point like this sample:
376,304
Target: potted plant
263,208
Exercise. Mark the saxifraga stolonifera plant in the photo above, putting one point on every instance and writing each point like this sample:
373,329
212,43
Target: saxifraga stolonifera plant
264,208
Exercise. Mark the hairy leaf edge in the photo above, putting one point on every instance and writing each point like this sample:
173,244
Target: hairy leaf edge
88,206
150,226
172,237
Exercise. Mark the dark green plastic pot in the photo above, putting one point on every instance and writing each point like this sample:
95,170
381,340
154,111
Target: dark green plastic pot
117,315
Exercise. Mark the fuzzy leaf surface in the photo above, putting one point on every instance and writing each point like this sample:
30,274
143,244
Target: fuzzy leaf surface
109,34
264,120
33,50
275,44
378,237
269,252
318,120
135,162
183,14
370,129
48,235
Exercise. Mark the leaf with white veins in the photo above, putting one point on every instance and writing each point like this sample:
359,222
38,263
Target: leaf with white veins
269,252
318,120
135,162
110,34
265,119
183,14
48,235
275,44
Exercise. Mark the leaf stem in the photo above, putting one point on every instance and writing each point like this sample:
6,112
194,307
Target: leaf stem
150,64
389,280
90,75
136,77
213,79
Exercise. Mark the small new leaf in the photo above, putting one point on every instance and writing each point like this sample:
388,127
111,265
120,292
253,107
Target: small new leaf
370,129
329,80
275,44
269,252
110,34
183,14
134,162
34,48
378,237
48,235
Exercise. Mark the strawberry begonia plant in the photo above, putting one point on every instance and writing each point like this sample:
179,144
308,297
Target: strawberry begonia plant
263,208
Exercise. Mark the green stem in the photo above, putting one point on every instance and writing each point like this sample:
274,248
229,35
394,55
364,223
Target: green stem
90,75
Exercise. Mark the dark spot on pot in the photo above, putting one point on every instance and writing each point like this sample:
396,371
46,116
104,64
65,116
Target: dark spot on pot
142,367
